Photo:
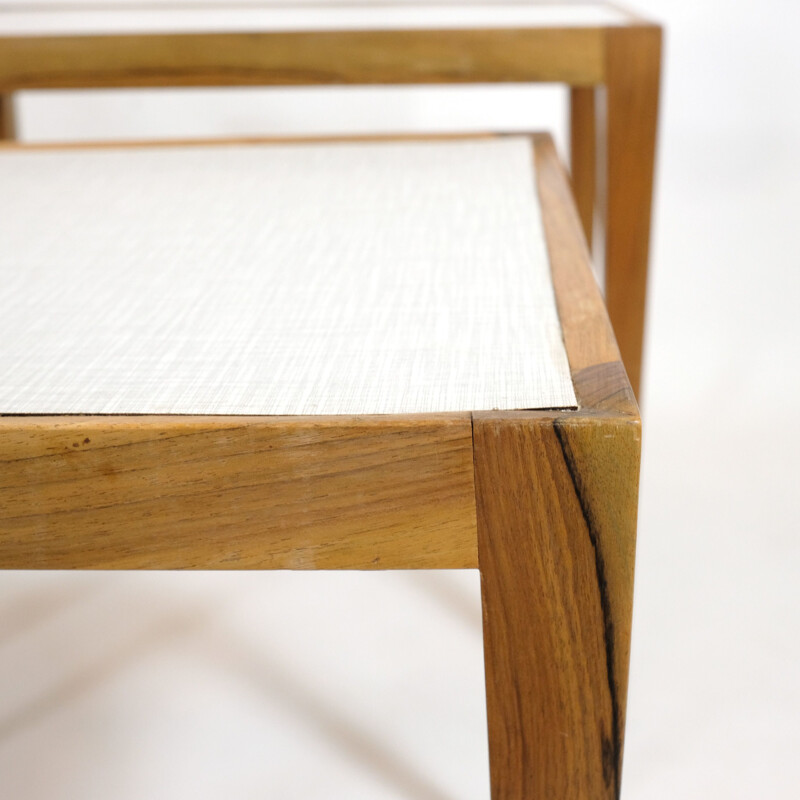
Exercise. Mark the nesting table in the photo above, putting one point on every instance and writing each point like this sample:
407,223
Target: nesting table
600,51
372,354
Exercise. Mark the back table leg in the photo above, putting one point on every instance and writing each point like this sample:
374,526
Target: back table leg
556,505
632,78
7,121
583,147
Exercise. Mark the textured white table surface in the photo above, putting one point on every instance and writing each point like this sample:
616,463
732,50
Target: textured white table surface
76,19
359,278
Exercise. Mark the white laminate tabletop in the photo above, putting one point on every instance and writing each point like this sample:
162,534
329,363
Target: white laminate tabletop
338,278
75,18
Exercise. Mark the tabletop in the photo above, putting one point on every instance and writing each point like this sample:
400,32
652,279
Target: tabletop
365,289
69,18
63,45
336,278
73,45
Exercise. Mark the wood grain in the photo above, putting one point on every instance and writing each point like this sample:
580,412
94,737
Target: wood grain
597,372
583,154
572,55
633,65
8,128
236,493
556,504
237,141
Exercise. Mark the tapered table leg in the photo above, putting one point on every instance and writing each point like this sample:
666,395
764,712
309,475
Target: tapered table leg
583,146
556,510
7,121
632,79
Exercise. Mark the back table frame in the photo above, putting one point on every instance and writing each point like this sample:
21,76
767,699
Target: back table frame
543,503
624,58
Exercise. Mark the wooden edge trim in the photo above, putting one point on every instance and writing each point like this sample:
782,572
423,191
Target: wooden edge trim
601,384
572,55
171,492
246,141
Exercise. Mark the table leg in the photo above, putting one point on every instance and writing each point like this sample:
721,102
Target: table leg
556,505
632,80
7,122
583,164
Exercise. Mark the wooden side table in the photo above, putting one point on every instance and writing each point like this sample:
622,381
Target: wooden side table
103,465
587,46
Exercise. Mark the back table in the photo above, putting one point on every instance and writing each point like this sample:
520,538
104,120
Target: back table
588,46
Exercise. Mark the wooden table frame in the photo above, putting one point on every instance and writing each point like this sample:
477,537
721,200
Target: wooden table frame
624,59
543,503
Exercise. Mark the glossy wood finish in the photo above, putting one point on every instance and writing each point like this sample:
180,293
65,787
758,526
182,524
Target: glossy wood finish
556,503
236,492
633,67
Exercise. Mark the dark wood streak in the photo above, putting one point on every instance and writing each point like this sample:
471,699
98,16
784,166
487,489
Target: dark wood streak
554,502
612,751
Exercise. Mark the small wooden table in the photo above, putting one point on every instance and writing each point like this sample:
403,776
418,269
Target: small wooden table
541,500
586,45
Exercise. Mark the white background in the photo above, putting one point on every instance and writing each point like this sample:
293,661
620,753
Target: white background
283,685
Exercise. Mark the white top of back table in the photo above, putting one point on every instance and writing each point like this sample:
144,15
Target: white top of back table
336,278
74,19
